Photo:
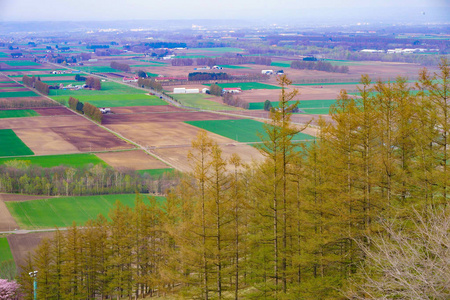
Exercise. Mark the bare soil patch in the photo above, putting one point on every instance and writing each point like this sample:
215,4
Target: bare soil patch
43,122
9,85
134,160
91,138
21,197
7,222
163,117
13,89
146,109
53,111
43,141
22,244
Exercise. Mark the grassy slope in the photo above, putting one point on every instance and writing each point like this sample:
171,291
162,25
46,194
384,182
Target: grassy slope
61,212
5,250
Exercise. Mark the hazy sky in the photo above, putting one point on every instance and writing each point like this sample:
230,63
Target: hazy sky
362,10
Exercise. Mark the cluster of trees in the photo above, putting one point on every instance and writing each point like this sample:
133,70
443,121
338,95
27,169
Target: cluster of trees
91,111
215,90
294,226
207,76
120,66
9,290
35,82
78,77
19,176
150,83
27,103
234,100
93,83
319,66
224,60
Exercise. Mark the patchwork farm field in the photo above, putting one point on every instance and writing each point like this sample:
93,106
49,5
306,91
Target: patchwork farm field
249,86
62,212
21,63
48,161
18,113
119,100
5,251
12,145
18,94
108,88
241,130
201,101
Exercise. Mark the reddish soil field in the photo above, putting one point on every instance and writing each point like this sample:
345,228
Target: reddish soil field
132,160
53,111
91,138
7,222
163,117
10,85
20,197
13,89
43,122
22,244
145,109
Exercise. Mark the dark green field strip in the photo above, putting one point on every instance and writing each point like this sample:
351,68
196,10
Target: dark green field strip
21,63
316,111
13,87
17,113
119,100
341,83
12,145
3,54
154,62
5,250
18,94
233,67
97,69
156,172
242,130
49,161
282,64
248,86
62,212
303,104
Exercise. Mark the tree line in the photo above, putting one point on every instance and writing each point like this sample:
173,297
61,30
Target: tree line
93,83
91,111
319,66
35,82
150,83
207,76
120,66
294,226
224,60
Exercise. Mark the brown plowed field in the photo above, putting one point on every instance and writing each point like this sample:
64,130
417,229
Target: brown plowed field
10,85
91,138
145,109
43,122
158,118
13,89
53,111
43,141
134,160
20,197
22,244
7,222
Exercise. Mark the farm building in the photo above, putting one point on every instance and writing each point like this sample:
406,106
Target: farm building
267,72
105,110
130,79
205,90
185,91
232,90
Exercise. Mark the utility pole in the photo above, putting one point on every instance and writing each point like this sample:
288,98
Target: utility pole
33,275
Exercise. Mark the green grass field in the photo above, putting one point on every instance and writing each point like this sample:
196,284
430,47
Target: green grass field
16,87
316,111
248,86
12,145
5,250
200,101
220,49
153,62
49,161
281,64
156,172
62,212
3,54
242,130
97,69
308,104
18,94
233,67
17,113
21,63
108,88
44,75
118,100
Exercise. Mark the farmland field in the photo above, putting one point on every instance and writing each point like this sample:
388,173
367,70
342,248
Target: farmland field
156,172
200,101
61,212
21,63
303,104
97,69
18,94
248,86
219,49
234,67
48,161
108,88
17,113
119,100
282,64
44,75
5,251
242,130
12,145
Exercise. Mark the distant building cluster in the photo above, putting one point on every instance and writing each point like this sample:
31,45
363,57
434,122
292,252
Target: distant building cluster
399,50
